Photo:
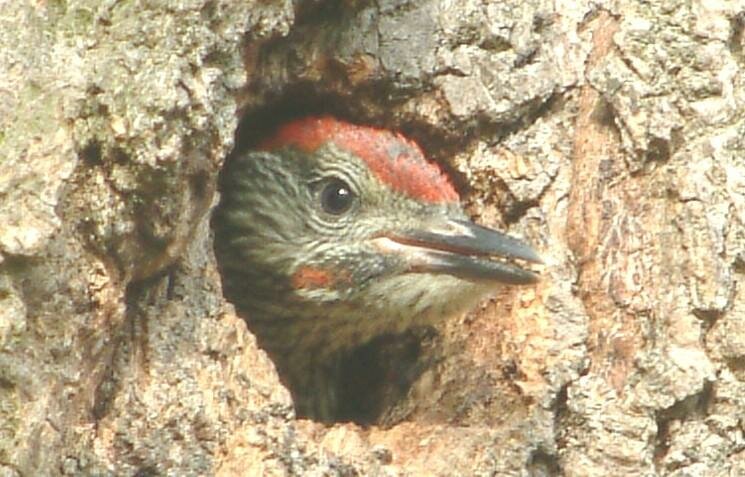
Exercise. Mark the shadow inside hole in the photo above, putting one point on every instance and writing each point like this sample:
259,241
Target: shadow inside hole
297,102
375,377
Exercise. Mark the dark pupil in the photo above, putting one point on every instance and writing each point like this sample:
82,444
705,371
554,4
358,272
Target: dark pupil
336,197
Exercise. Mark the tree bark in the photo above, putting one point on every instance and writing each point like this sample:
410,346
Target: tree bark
609,134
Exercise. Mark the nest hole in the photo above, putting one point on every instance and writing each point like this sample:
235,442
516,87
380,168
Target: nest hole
370,380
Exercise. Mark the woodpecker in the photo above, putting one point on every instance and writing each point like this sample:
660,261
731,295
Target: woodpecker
330,234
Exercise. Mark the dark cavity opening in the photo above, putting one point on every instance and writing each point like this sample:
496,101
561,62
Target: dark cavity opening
361,384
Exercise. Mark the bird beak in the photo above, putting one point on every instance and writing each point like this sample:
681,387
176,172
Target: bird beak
463,249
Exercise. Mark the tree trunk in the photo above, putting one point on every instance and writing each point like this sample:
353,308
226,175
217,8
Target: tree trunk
609,134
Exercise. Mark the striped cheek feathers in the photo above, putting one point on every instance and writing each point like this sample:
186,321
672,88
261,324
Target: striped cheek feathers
395,160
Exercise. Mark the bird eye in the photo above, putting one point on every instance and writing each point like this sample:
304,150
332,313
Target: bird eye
336,197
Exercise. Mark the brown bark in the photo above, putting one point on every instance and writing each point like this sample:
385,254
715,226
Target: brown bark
610,137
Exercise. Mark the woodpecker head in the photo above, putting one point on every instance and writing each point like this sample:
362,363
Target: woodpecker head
330,234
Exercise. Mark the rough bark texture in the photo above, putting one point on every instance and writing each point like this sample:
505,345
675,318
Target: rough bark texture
610,134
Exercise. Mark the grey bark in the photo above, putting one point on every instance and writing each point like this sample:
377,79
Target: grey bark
608,133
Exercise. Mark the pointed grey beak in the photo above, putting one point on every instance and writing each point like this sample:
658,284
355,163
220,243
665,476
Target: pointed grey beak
465,250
